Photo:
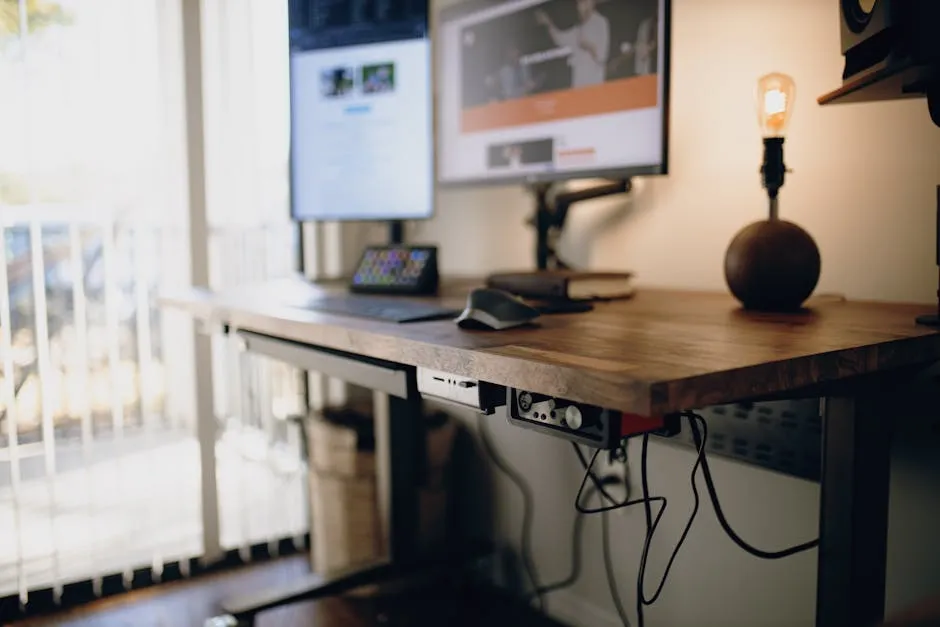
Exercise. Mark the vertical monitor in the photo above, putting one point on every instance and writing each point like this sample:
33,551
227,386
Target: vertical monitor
361,112
533,90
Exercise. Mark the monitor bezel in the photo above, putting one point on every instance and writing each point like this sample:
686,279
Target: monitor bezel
432,130
467,7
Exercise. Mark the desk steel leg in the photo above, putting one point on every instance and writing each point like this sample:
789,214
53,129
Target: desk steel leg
853,517
406,452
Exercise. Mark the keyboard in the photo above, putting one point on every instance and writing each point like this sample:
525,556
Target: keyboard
388,309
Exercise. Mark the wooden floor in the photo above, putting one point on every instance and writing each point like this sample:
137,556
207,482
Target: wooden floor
188,604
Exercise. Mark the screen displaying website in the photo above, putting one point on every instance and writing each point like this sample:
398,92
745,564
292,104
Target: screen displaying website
535,87
361,130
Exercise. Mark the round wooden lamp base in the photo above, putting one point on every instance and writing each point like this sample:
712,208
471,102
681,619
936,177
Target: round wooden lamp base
772,265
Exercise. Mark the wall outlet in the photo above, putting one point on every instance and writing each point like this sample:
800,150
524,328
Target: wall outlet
612,464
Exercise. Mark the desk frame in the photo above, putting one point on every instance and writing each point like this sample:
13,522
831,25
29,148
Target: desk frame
866,353
404,448
853,516
401,455
853,512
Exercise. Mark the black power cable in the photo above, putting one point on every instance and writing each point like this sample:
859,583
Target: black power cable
699,462
609,570
589,474
652,524
713,496
650,527
642,600
600,483
605,524
577,538
605,521
699,429
528,506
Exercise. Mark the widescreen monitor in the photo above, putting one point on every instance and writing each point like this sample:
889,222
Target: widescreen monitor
361,110
541,90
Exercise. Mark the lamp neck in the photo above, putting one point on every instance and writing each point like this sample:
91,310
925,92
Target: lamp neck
774,209
773,171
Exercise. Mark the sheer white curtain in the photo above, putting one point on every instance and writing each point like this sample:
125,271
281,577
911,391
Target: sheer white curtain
99,459
95,394
261,476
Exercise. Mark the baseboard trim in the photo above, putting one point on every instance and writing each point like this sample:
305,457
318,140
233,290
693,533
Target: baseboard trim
574,611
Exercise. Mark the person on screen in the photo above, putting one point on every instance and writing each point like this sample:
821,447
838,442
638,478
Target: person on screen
491,89
515,80
637,58
645,48
340,82
589,42
513,156
379,81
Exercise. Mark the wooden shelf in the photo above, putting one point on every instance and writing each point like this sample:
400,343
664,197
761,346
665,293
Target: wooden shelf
890,83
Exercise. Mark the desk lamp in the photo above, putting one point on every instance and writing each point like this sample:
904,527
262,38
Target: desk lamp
773,265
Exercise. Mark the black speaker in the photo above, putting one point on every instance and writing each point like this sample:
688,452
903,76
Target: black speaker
880,34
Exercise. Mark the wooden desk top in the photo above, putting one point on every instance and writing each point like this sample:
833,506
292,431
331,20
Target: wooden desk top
660,352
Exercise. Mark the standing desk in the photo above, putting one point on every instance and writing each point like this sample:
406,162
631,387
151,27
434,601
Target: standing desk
659,353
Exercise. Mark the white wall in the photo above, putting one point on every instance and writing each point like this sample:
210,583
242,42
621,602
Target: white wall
863,184
863,180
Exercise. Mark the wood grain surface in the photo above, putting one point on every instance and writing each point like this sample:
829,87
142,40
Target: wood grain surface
659,352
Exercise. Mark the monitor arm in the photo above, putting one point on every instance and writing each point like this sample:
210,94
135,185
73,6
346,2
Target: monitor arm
551,214
396,232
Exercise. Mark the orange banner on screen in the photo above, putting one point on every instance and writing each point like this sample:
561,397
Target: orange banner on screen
639,92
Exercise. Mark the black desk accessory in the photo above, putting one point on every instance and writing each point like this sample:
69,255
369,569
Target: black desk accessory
551,212
559,306
384,308
495,310
550,284
397,270
564,285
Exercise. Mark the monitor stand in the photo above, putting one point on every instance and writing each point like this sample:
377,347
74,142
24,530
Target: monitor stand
396,232
933,320
552,212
